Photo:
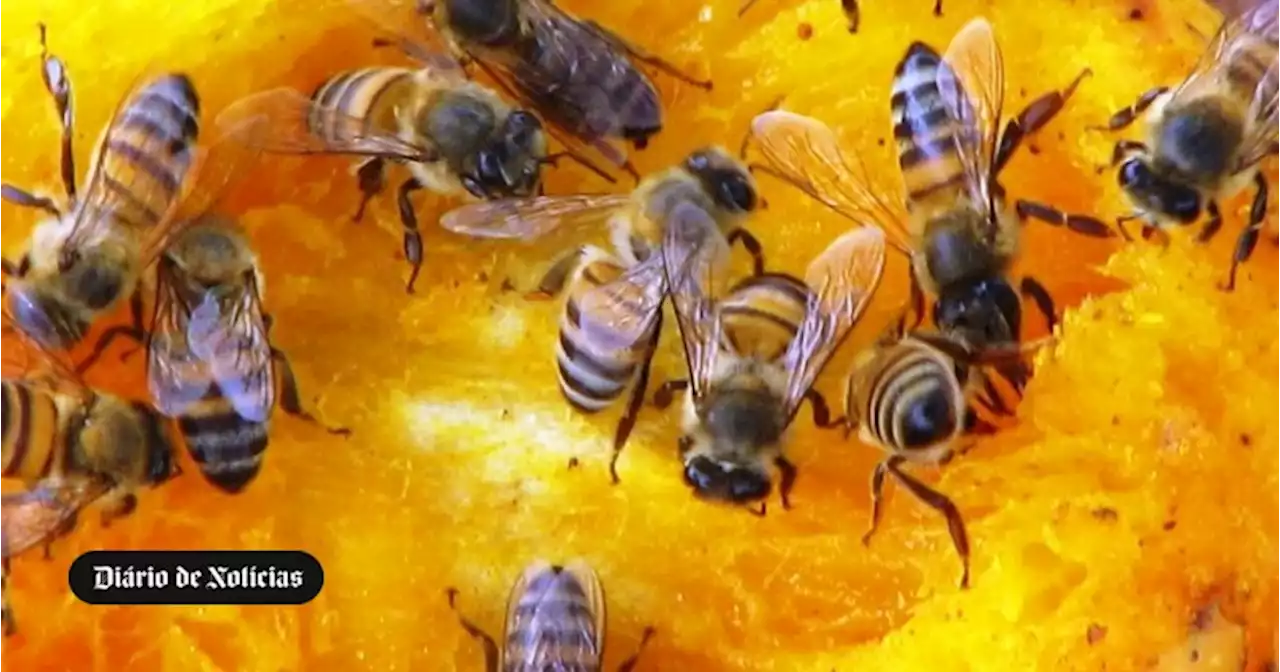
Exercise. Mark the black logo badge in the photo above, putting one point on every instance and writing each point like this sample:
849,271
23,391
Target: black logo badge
196,577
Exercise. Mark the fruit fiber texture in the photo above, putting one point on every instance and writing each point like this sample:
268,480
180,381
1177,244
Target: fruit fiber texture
1136,487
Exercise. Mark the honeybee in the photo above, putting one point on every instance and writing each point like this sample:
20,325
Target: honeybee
908,394
613,313
89,255
71,445
454,137
593,87
1207,137
955,227
555,620
754,354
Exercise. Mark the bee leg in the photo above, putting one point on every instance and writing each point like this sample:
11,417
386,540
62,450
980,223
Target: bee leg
937,7
1249,237
942,504
788,481
490,647
16,270
742,9
1033,117
877,494
412,237
372,178
1032,288
645,57
666,392
7,620
58,84
821,411
752,245
629,664
853,13
135,331
26,199
917,305
557,275
1212,226
1128,115
1081,224
290,399
976,425
628,421
117,505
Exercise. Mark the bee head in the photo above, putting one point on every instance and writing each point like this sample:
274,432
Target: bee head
725,179
721,481
1155,193
44,314
484,21
511,163
984,312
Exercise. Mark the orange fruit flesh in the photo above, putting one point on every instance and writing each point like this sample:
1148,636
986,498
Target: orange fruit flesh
1136,485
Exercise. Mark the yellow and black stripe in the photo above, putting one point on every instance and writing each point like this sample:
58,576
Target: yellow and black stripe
760,316
908,397
147,151
925,134
227,447
367,94
33,432
596,363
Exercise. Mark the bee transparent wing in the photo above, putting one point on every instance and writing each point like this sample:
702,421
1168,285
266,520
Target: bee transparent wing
971,81
695,256
176,376
25,359
529,219
805,153
1263,125
38,515
286,114
555,619
620,312
130,173
842,281
408,25
228,331
219,166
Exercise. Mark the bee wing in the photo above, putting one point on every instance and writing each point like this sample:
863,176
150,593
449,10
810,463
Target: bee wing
805,153
128,174
695,255
176,376
228,332
619,312
842,280
409,22
529,219
542,634
286,114
26,359
219,166
971,81
1244,41
36,516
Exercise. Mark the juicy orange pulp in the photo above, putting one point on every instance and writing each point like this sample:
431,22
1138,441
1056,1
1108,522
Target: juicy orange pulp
1157,405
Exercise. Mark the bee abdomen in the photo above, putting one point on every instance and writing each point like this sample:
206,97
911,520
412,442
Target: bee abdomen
591,381
31,432
227,448
922,126
149,149
762,314
357,94
913,404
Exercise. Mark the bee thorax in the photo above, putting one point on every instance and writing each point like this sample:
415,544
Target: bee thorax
1199,142
744,417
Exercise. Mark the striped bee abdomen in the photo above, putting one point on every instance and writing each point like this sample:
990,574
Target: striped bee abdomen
554,620
923,129
761,315
357,94
32,435
601,344
911,399
227,447
147,151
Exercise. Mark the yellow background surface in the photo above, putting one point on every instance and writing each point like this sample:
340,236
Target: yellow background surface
1158,403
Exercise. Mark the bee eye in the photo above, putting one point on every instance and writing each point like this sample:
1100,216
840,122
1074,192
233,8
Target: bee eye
736,194
489,167
1134,173
1184,204
704,475
746,485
